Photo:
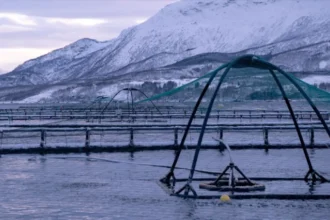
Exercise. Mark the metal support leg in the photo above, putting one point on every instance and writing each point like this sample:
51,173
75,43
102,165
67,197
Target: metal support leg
302,142
221,175
201,135
170,174
131,139
43,141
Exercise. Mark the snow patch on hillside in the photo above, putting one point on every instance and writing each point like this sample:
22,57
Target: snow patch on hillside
323,64
43,95
162,82
317,80
108,91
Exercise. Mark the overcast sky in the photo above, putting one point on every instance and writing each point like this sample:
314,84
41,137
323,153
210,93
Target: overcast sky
30,28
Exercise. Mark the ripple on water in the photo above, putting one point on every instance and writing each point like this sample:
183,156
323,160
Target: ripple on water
80,189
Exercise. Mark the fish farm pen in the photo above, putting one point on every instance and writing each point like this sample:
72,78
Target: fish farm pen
72,129
240,109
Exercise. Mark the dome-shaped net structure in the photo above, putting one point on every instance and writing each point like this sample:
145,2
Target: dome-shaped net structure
247,80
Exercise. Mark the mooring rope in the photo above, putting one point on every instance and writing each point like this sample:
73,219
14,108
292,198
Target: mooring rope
132,163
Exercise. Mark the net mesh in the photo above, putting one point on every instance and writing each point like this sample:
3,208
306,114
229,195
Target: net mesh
240,85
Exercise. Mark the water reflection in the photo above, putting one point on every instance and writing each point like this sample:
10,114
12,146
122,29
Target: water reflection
131,154
312,153
189,208
313,186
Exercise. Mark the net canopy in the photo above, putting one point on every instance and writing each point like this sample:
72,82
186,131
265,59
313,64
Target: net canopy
244,82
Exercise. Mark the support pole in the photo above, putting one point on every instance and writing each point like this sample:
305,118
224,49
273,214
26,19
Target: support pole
176,136
132,102
131,139
311,171
170,175
266,141
151,102
42,140
201,135
221,134
221,146
87,139
128,106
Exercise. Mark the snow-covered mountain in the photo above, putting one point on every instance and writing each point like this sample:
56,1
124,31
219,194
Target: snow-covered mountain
292,33
52,67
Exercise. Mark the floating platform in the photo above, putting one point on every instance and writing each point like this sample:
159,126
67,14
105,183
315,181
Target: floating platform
240,186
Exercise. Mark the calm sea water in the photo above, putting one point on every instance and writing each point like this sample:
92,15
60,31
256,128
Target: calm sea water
76,188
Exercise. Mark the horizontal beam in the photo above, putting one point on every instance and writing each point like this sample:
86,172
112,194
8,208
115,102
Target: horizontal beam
136,148
153,129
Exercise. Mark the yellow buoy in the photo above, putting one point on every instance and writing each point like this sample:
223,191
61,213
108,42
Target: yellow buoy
225,198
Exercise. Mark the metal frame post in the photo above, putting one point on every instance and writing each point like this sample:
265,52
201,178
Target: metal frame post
170,174
311,170
131,137
188,187
176,136
87,138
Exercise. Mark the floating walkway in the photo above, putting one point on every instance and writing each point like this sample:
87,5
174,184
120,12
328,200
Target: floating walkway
106,138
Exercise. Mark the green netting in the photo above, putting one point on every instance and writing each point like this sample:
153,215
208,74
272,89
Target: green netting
240,85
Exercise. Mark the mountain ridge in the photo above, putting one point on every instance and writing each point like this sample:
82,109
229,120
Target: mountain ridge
291,33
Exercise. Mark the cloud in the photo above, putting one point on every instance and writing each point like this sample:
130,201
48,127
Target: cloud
24,39
7,28
60,32
83,8
76,21
25,20
30,28
20,19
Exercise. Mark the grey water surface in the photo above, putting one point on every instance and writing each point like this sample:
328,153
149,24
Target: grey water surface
50,187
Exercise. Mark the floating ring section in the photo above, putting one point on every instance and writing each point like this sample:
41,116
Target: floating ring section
240,186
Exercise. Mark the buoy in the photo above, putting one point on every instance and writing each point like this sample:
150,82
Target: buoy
225,198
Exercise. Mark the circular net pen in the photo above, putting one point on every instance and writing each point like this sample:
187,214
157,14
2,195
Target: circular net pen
247,79
123,105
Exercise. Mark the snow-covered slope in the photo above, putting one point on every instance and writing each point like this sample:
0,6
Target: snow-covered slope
50,65
191,27
293,33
